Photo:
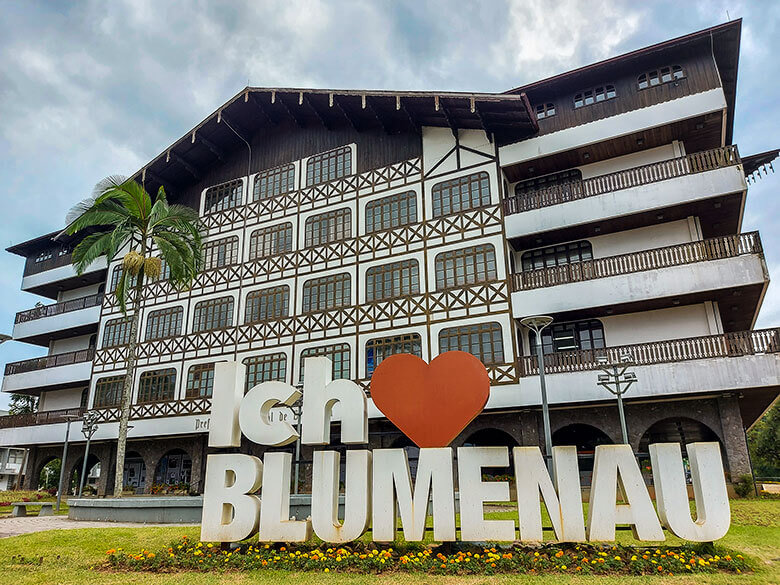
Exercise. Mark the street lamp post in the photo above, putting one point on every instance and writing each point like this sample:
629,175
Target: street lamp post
537,324
88,428
63,466
618,380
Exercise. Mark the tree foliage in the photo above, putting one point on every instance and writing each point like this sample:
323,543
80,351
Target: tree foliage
22,404
764,442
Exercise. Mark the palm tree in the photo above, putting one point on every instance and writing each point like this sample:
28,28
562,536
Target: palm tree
120,214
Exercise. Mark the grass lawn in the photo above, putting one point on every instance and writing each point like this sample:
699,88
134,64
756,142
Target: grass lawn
68,554
33,497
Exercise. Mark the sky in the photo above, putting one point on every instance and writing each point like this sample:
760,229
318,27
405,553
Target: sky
97,88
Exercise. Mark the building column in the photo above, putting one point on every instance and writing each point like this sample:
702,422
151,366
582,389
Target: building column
531,428
30,481
733,434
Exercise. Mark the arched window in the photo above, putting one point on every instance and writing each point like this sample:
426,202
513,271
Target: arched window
391,212
270,367
379,349
274,182
224,196
157,386
213,314
328,227
268,241
595,95
388,281
218,253
329,166
484,341
465,266
200,381
460,194
573,336
327,292
164,323
545,110
267,303
557,255
108,392
338,354
660,76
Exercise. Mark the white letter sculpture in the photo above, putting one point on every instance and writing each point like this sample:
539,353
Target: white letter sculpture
230,512
474,493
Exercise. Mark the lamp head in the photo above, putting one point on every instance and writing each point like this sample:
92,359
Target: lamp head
536,323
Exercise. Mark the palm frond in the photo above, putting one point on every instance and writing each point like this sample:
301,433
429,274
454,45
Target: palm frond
90,249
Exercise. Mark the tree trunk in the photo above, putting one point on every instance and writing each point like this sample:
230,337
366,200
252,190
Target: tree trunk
127,389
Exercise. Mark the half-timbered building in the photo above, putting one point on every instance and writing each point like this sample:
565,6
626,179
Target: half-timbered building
359,224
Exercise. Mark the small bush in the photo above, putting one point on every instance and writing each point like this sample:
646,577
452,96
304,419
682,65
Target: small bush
744,485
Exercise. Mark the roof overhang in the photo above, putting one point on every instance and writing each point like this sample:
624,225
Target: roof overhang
505,118
724,40
754,164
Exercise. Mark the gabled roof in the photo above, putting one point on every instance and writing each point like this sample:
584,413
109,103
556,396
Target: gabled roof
506,118
725,40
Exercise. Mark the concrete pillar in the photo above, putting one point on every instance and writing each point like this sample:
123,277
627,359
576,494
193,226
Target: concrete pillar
531,428
733,434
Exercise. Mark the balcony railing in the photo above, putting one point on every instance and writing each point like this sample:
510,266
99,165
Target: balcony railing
59,308
40,418
735,344
677,255
50,361
698,162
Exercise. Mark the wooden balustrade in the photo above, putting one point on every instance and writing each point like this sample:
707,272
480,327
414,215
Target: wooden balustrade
677,255
690,164
50,361
59,308
40,418
734,344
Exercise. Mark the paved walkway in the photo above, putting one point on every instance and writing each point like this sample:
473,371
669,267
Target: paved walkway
26,525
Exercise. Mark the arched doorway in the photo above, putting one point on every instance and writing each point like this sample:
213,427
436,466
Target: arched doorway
134,474
586,438
93,474
174,470
680,430
49,474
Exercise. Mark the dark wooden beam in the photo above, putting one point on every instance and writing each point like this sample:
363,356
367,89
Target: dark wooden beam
450,122
349,118
272,117
482,123
382,122
151,175
295,115
415,126
242,133
320,115
190,168
216,150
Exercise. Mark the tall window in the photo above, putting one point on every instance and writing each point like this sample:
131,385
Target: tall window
108,392
269,241
164,323
213,314
274,182
389,281
465,266
379,349
592,96
659,76
116,274
200,381
328,166
220,253
339,354
461,194
224,196
557,255
484,341
117,332
327,292
569,336
391,212
328,227
265,368
267,303
545,110
555,179
157,386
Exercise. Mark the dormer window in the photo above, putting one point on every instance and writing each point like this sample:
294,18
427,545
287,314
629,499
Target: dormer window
660,76
545,110
592,96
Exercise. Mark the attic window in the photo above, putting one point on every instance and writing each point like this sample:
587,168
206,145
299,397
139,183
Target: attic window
660,76
592,96
545,110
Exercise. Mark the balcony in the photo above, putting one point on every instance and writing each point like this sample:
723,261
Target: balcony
47,276
40,418
728,269
747,362
684,182
66,319
49,372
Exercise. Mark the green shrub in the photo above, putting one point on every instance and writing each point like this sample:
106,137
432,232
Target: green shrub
744,485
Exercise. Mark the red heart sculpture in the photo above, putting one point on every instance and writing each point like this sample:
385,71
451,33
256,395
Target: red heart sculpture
431,403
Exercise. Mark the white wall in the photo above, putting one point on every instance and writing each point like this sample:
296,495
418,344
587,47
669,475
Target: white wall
76,293
658,325
60,399
69,344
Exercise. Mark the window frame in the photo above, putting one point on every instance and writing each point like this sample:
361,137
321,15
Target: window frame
277,361
257,296
205,388
344,281
99,400
122,337
402,340
342,160
493,328
329,351
404,274
590,96
379,213
160,374
575,252
217,315
451,186
234,198
283,232
277,176
177,312
675,72
545,110
461,267
231,246
328,227
550,342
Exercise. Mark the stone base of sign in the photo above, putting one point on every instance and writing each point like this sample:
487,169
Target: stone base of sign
162,510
